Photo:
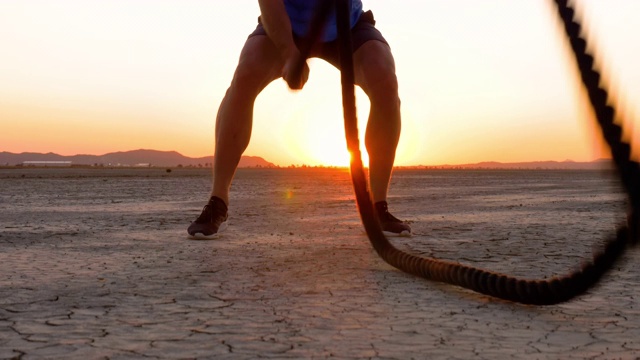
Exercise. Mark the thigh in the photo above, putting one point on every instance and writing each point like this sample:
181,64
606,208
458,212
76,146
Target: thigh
259,64
374,67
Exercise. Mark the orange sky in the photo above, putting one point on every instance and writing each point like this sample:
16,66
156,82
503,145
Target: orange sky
479,81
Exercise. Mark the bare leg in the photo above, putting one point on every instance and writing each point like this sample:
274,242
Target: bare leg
259,64
375,74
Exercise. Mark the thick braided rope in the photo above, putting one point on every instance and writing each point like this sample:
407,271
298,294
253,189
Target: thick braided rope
548,291
628,169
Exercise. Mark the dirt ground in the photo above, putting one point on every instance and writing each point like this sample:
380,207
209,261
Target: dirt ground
95,264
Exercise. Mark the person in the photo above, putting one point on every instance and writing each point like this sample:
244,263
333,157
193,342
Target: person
270,53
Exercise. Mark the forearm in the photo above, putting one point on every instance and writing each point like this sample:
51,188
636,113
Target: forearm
278,26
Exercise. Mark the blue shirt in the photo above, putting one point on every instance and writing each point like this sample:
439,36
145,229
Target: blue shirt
301,12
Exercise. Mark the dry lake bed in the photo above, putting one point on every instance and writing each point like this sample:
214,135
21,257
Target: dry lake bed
96,264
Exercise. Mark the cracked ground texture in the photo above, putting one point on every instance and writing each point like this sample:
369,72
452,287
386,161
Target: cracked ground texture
95,264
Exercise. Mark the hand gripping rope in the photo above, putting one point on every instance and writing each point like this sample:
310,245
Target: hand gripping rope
541,292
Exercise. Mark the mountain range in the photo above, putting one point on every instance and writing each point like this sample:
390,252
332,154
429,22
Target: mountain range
600,164
140,157
145,157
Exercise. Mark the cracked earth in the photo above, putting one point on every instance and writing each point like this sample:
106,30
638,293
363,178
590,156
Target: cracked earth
95,264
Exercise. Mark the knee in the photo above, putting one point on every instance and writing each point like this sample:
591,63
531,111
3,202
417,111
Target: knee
381,85
383,93
385,83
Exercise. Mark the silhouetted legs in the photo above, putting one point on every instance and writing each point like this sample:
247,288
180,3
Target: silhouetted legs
260,64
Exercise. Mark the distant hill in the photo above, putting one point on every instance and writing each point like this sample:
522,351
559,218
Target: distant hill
600,164
140,157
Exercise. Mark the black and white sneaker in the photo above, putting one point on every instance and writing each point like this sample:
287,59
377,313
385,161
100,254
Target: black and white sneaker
211,222
391,226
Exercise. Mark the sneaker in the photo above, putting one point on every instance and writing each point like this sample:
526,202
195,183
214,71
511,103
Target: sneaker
391,226
211,222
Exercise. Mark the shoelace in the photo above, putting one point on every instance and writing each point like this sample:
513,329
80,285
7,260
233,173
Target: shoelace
386,216
206,214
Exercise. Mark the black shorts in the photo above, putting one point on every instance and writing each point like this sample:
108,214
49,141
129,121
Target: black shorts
364,30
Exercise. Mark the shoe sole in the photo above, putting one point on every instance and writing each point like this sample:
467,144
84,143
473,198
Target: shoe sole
402,234
201,236
391,234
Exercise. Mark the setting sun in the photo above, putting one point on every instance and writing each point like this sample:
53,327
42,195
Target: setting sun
323,143
316,134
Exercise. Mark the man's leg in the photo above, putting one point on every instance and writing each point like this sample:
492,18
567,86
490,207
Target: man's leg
259,64
375,74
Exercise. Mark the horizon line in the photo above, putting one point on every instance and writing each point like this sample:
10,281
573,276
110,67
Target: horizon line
483,163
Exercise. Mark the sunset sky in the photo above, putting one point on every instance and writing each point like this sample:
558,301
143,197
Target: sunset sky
479,81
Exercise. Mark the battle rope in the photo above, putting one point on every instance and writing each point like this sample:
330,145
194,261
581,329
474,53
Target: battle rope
628,170
542,292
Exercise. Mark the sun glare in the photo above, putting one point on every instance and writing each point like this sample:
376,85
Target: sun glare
325,142
315,127
321,140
